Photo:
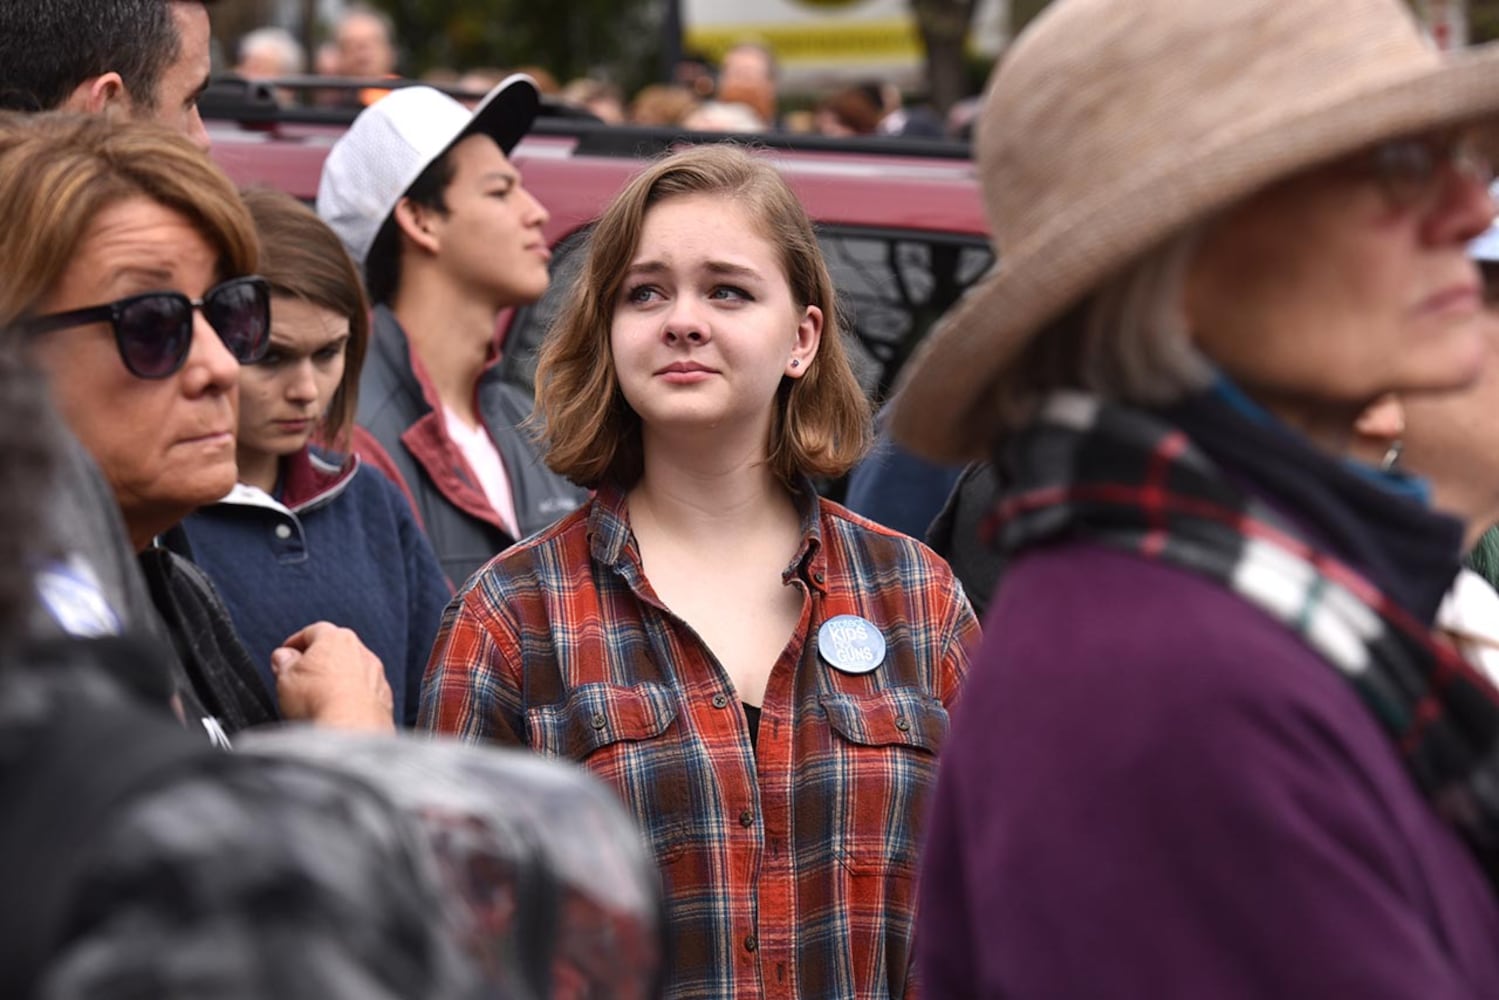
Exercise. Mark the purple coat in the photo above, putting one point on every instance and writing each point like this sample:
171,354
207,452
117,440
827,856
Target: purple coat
1154,790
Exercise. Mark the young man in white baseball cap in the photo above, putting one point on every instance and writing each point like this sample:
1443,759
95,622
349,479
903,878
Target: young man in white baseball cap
423,194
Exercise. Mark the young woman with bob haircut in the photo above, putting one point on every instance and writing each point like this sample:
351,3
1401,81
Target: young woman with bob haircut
306,531
763,677
1212,746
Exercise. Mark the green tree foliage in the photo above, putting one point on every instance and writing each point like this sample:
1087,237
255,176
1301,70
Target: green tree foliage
1022,12
1483,21
616,39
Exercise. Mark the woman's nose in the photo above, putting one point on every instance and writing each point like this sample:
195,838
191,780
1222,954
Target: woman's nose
1463,211
210,365
685,323
302,387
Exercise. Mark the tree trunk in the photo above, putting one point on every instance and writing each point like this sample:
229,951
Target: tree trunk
231,19
308,33
943,25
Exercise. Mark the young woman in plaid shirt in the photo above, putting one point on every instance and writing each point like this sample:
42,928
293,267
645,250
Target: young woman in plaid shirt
763,676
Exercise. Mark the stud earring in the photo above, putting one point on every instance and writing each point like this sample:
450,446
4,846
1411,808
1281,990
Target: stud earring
796,363
1392,457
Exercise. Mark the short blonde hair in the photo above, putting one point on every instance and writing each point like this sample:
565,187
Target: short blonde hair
59,171
590,433
1127,342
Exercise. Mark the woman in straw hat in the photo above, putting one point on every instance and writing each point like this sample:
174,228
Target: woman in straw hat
1210,747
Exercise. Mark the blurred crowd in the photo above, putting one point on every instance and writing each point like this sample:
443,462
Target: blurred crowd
742,93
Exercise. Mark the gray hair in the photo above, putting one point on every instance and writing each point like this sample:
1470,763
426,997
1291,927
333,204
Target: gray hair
1127,342
359,10
280,43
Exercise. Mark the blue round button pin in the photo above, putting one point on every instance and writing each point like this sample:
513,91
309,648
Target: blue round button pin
851,644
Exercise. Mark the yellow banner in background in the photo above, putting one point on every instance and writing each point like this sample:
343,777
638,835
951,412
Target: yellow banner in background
811,42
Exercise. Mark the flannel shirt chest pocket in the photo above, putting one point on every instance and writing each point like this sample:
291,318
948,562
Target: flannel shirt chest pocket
629,736
885,745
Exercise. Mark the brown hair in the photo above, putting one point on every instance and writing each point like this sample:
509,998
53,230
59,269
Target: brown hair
302,258
661,104
59,171
854,108
591,435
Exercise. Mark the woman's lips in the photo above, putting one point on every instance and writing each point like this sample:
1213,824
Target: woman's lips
211,438
685,373
1464,298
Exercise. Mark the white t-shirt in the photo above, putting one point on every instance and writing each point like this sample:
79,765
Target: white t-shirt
484,459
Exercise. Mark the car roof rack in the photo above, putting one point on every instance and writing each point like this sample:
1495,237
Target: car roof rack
254,104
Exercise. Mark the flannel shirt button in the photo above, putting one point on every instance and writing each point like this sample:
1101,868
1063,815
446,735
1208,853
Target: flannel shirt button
747,818
818,577
750,944
599,721
720,701
902,724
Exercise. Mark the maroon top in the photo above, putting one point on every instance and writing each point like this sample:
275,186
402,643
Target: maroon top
1153,790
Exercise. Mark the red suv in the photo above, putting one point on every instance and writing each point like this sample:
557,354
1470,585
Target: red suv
900,221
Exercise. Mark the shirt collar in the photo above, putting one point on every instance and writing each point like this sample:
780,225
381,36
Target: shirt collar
612,544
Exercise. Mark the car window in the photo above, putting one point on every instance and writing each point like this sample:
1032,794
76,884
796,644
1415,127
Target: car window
892,286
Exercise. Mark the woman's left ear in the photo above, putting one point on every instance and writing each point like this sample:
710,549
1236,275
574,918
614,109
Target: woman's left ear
1378,429
808,337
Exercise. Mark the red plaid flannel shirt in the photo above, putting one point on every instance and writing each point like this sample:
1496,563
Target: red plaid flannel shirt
789,865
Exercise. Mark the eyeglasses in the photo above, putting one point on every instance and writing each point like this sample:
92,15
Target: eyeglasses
1409,169
154,331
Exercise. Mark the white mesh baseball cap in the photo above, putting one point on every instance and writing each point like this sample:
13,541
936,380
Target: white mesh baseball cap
376,161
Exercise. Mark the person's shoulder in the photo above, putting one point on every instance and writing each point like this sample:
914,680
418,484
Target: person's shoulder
852,523
1110,594
878,543
1106,664
536,562
1119,631
369,484
387,387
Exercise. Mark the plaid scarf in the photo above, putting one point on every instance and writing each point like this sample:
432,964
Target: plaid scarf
1085,469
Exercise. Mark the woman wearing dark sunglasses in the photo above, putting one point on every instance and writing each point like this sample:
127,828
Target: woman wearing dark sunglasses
308,532
1210,745
129,266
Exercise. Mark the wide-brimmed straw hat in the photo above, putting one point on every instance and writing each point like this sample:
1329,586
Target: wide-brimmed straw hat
1110,125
